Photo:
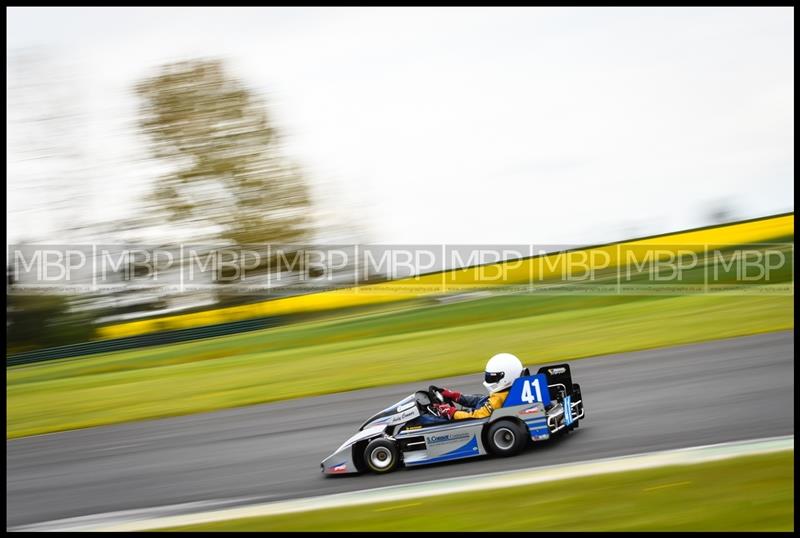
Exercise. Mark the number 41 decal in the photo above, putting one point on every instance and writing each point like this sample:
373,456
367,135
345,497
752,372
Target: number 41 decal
529,390
528,396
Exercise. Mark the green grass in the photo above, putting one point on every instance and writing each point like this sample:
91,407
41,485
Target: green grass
751,493
330,356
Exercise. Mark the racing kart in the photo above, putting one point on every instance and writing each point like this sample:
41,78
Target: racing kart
537,408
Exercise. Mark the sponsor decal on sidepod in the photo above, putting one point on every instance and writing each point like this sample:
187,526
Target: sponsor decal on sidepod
435,439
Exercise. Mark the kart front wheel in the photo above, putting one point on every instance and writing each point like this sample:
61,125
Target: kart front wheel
381,455
506,438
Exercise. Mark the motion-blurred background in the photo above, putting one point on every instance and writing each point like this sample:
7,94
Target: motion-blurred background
397,126
434,135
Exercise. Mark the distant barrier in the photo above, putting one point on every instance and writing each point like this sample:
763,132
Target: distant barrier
142,340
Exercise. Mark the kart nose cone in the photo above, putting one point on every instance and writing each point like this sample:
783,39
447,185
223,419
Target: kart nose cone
340,462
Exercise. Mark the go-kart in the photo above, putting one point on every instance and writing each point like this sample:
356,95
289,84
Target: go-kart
537,407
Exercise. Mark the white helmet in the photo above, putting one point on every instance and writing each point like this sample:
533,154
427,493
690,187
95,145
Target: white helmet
501,371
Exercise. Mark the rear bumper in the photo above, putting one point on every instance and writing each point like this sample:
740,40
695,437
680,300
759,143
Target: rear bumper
559,420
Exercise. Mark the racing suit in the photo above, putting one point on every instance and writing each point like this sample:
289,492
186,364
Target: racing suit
482,406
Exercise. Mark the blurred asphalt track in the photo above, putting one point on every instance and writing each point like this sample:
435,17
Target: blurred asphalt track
725,390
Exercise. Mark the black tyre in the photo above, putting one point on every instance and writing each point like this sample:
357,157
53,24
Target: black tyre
576,392
576,395
381,455
506,438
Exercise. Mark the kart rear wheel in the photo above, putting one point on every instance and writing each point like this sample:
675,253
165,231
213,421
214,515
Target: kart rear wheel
381,455
506,438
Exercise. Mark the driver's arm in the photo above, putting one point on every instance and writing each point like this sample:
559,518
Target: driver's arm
469,400
495,401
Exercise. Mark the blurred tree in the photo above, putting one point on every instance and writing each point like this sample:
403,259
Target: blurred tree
50,173
229,174
721,215
722,211
37,321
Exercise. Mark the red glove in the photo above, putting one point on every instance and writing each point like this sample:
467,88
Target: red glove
451,394
446,410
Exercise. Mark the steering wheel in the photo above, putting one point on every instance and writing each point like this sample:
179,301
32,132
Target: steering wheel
435,394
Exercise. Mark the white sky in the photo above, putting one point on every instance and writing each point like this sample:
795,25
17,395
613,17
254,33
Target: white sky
473,125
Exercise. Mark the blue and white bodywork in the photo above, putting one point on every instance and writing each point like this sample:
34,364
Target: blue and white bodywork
537,407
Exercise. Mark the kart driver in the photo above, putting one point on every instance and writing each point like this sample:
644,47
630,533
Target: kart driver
501,371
